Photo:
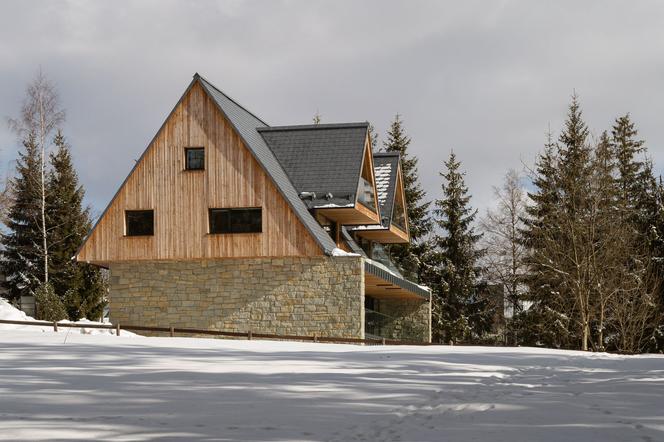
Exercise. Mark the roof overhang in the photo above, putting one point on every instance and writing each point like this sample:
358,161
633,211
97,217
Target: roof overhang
381,283
382,234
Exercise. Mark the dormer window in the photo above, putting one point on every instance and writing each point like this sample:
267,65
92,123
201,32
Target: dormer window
194,158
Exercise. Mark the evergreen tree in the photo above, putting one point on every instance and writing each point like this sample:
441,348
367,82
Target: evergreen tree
373,136
631,168
571,237
606,224
460,313
22,254
575,161
541,324
68,220
641,201
49,305
410,258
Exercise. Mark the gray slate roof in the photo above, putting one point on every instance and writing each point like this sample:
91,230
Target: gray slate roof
354,247
386,165
323,159
247,125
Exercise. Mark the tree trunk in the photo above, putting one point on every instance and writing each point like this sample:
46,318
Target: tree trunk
42,140
586,333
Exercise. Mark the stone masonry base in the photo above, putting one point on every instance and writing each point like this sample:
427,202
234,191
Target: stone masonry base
288,296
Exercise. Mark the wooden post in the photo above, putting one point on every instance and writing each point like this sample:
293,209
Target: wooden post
55,326
249,335
172,331
117,329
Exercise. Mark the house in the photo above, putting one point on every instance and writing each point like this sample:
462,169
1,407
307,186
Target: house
228,223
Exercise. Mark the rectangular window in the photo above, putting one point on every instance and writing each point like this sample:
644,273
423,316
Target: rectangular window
194,158
139,222
236,220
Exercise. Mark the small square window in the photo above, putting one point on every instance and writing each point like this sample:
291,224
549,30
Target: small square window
139,222
236,220
194,158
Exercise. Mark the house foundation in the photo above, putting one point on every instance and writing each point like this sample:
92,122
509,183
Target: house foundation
287,296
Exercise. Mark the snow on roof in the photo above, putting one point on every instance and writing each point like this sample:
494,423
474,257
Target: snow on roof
383,173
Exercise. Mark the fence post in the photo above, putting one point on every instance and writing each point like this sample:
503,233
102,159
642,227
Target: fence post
383,341
249,335
55,326
117,329
172,331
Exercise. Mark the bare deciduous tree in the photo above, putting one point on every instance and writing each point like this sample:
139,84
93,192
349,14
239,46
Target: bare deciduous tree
41,114
505,252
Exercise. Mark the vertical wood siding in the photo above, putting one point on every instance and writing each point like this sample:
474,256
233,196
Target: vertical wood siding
180,199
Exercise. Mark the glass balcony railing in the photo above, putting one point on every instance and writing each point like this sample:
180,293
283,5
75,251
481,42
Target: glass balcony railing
399,218
365,194
380,325
377,324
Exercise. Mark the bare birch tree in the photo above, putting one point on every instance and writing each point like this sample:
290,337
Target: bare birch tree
41,114
502,226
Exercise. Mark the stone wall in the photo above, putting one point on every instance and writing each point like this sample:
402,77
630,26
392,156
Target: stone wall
411,319
300,296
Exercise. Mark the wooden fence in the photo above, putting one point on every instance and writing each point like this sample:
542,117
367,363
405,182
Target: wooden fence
172,331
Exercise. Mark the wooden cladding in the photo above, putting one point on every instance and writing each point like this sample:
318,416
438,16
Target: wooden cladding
232,178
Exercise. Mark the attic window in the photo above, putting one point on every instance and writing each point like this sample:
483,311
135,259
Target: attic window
194,158
139,222
236,220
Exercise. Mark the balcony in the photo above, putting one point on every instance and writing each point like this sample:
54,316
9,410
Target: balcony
349,212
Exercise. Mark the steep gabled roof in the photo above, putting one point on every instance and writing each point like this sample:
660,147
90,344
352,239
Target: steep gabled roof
386,165
247,126
323,159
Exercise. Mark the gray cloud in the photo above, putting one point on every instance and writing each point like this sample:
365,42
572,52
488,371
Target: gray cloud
483,78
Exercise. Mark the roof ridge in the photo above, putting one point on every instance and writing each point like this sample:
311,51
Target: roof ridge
314,126
199,76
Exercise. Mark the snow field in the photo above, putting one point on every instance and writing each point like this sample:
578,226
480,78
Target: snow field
119,388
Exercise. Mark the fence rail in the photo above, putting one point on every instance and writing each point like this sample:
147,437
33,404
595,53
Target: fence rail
194,331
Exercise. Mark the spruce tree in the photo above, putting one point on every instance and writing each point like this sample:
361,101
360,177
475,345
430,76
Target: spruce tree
75,283
373,137
629,152
575,161
641,201
571,240
22,253
541,323
459,311
410,258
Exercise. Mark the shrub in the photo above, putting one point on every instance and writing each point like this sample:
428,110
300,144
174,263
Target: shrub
49,305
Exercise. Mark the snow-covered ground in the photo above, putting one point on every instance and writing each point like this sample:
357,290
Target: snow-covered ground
11,313
60,386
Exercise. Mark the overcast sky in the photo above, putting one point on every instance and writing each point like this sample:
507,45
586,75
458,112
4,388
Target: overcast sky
486,79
